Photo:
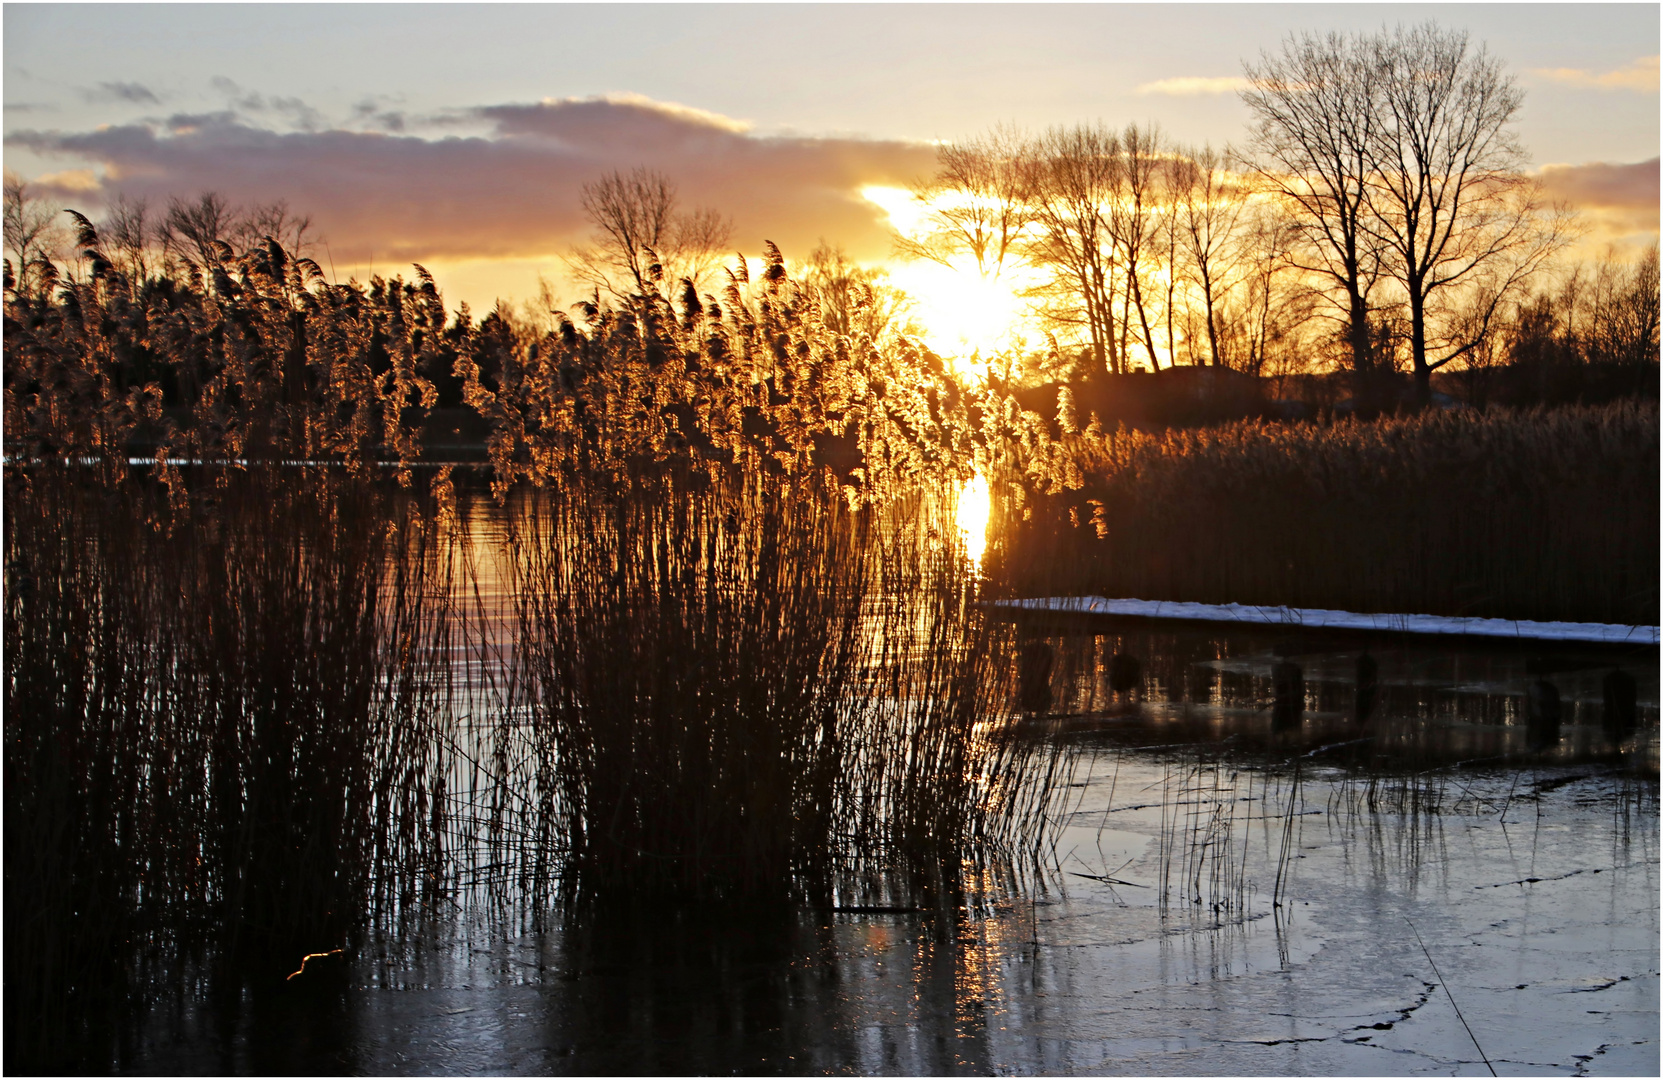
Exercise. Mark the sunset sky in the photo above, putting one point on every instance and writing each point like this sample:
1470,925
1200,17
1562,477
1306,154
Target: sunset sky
458,136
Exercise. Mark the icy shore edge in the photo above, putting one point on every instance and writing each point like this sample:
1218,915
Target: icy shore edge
1319,618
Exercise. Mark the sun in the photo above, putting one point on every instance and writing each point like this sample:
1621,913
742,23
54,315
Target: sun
967,318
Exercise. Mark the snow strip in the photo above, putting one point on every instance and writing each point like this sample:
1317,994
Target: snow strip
1321,619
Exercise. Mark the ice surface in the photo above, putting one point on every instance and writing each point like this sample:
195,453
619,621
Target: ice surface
1325,619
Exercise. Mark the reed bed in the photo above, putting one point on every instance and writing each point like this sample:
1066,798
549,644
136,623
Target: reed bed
1540,514
266,704
280,715
215,735
736,691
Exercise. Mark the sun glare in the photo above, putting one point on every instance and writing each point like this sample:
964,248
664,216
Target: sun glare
905,212
966,317
975,507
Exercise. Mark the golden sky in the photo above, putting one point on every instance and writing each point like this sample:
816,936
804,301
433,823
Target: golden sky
459,136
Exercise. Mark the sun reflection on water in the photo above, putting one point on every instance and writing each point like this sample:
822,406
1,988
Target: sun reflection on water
974,509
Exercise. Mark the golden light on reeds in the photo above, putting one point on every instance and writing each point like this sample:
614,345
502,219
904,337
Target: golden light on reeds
975,507
1512,501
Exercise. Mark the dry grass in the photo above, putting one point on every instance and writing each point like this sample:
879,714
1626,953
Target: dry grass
1546,514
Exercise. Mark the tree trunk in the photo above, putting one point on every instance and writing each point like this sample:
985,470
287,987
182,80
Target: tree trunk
1362,361
1212,322
1365,390
1106,299
1099,326
1143,320
1417,344
1212,333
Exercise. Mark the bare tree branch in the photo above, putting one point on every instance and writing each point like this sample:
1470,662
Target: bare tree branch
643,245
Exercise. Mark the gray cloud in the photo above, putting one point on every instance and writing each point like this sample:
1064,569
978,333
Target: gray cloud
513,192
1627,187
299,113
1618,201
135,93
248,100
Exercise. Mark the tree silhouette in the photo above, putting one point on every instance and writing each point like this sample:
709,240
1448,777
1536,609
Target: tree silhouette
1206,218
976,204
644,245
197,230
31,234
1315,113
1133,217
1394,153
1074,174
1444,192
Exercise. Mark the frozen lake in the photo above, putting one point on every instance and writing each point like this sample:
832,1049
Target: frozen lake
1231,893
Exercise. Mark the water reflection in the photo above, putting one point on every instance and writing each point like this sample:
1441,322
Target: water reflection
1082,976
671,992
1250,817
975,507
1404,699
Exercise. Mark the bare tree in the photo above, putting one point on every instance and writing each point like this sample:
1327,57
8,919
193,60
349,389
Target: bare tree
194,230
1132,217
275,220
32,233
1071,177
1443,189
854,300
1604,314
129,237
1621,325
1315,108
1642,310
701,237
1207,214
643,245
1265,323
1167,229
976,203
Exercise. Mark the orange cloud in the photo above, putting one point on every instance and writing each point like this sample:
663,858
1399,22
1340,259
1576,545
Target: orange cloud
1195,85
1629,187
1638,75
1619,203
642,103
512,193
78,181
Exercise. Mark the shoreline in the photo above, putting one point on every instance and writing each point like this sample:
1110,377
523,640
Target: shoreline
1327,619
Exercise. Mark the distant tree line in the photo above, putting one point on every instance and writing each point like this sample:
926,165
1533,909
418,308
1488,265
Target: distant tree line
1375,220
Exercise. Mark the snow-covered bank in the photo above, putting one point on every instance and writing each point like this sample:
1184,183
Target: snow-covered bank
1319,618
